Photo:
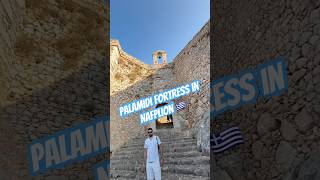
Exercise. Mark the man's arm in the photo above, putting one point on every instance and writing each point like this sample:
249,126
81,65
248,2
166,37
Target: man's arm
145,154
160,147
161,152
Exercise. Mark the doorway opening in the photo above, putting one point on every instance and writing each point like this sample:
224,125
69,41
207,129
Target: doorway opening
164,122
160,60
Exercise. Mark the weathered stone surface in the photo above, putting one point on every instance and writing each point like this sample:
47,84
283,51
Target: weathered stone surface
56,178
305,37
52,68
256,33
316,70
220,175
314,40
301,62
204,134
315,15
298,74
284,156
304,120
310,169
258,150
266,123
288,130
232,164
306,49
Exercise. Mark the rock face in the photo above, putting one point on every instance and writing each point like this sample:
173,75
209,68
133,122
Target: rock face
56,178
52,76
310,169
285,155
288,130
125,70
196,54
203,135
181,159
231,164
266,123
220,175
304,121
280,132
258,150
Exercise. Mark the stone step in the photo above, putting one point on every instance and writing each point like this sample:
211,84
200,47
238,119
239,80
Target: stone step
198,170
165,136
166,155
165,150
195,160
125,175
164,145
173,141
181,159
142,139
177,161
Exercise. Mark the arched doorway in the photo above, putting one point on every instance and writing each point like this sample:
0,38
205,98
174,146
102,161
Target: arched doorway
164,121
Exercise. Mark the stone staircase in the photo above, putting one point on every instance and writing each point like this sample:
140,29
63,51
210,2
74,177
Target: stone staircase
181,159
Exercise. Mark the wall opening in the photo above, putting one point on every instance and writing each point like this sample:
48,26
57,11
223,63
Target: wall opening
159,57
160,60
164,121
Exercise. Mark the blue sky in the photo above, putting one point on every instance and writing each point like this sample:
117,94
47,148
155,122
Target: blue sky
144,26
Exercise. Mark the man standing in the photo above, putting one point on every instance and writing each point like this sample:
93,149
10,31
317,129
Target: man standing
151,156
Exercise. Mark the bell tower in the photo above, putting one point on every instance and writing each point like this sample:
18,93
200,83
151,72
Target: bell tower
159,56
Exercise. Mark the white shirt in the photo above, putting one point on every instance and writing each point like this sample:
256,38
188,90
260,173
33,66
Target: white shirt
152,145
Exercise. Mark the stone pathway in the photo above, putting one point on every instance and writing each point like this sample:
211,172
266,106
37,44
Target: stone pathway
181,159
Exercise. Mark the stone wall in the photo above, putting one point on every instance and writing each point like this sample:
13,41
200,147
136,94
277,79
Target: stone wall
11,13
281,133
125,70
131,80
54,77
193,63
48,43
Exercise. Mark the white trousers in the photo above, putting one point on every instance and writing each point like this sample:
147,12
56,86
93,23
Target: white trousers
153,170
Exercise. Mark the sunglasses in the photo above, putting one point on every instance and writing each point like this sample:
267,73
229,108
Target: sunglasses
149,132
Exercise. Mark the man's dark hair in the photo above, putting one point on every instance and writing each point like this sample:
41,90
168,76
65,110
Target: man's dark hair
149,129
